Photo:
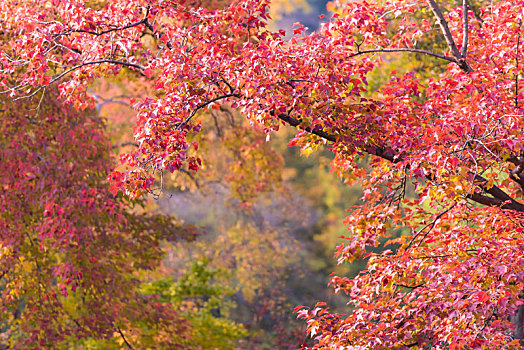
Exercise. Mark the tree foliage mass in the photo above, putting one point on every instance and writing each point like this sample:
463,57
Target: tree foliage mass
448,122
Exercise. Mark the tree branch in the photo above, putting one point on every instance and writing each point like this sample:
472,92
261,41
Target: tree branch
114,29
465,29
495,202
373,150
124,338
459,59
444,28
431,225
188,173
424,52
123,144
410,287
123,63
517,69
500,198
204,104
493,190
295,122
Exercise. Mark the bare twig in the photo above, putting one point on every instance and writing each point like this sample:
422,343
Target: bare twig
191,176
30,95
107,31
204,104
123,63
431,225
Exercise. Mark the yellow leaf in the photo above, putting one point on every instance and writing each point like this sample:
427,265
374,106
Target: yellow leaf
306,151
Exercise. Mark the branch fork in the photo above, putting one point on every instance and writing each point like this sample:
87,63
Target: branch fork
459,56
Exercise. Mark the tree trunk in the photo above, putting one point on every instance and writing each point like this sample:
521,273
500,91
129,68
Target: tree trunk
518,321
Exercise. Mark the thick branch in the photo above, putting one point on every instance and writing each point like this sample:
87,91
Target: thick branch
500,198
493,190
517,70
374,150
444,28
518,161
495,202
295,122
459,59
517,175
465,29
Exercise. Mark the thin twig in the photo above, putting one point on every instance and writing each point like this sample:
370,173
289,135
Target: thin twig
410,287
204,104
123,63
107,31
431,225
191,176
406,49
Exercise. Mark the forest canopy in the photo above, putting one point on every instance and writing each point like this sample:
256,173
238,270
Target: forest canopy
418,105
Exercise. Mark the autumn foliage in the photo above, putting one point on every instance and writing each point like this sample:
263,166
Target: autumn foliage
69,248
450,134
